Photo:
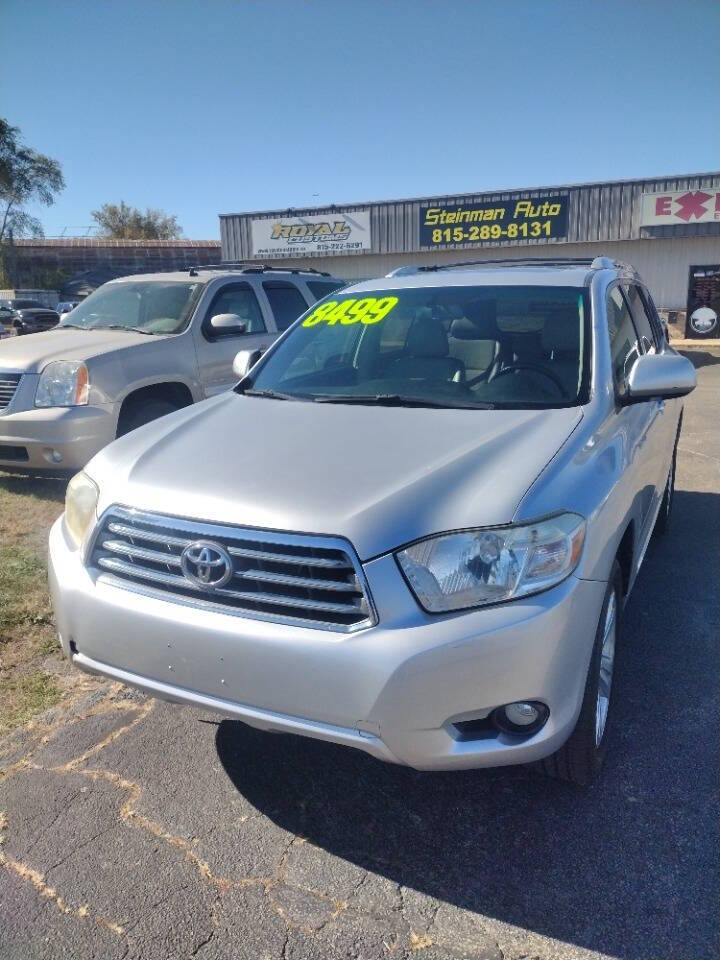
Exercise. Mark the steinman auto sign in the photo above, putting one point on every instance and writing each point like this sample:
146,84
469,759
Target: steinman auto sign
680,207
493,221
329,233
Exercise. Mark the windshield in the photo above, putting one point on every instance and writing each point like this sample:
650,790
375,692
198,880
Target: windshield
505,347
151,306
22,304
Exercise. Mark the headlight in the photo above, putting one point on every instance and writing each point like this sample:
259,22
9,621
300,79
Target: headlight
80,504
477,567
63,383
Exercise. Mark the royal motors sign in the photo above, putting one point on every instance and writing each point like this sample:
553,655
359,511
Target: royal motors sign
329,233
680,207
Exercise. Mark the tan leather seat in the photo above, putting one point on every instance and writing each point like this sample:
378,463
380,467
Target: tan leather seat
426,355
475,338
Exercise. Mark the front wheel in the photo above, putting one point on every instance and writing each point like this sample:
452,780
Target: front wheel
662,523
581,756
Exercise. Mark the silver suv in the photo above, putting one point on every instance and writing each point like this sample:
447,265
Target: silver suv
136,349
411,528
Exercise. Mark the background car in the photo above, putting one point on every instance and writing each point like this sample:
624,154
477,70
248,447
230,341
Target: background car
7,315
26,316
136,349
65,306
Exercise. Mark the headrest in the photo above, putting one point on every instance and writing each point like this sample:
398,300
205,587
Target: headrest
465,329
561,332
479,322
426,337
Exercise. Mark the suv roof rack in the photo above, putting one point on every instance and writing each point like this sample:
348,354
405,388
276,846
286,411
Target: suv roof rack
250,266
593,263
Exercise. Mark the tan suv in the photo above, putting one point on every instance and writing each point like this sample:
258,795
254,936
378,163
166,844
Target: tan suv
136,349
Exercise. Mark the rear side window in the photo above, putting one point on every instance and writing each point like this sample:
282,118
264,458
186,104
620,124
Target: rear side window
321,288
643,323
286,301
624,346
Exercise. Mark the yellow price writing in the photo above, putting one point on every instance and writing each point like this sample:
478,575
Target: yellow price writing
366,310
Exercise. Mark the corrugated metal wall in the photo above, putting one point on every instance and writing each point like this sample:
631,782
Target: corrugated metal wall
604,213
663,264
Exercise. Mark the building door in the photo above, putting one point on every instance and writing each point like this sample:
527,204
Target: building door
703,309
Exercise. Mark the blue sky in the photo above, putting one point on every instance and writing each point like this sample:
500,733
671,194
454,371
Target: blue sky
218,106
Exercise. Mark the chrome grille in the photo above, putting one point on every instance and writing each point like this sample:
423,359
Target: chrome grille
287,578
8,385
45,319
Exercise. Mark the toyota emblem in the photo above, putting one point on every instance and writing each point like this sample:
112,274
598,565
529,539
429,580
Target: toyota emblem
206,564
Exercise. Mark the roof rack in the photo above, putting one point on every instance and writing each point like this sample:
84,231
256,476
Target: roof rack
593,263
513,261
250,266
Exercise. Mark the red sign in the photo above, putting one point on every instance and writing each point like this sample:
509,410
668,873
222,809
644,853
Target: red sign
680,206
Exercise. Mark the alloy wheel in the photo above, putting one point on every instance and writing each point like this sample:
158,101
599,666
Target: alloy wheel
669,490
607,661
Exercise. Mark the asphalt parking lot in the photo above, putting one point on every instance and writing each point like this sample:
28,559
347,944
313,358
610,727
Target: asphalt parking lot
131,828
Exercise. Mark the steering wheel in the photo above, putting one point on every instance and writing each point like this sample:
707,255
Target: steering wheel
512,367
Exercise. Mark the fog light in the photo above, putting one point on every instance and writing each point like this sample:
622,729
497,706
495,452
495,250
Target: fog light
522,718
522,714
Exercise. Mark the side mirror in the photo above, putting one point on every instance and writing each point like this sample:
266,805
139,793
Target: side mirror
244,361
228,323
661,375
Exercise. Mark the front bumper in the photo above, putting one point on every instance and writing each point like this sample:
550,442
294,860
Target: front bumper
392,690
52,439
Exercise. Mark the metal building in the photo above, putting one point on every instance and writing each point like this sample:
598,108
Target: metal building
667,227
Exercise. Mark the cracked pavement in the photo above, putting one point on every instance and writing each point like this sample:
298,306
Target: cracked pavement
131,828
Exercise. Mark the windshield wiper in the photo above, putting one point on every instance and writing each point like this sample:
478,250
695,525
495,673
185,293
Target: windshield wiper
398,400
121,326
273,394
111,326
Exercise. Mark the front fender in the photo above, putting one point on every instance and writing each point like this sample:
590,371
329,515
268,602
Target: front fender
587,477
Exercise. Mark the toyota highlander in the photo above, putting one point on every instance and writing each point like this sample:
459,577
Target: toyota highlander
411,527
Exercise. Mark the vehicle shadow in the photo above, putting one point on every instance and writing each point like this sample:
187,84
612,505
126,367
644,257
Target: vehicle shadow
46,488
626,867
701,358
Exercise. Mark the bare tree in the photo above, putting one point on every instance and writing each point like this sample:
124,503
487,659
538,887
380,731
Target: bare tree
123,222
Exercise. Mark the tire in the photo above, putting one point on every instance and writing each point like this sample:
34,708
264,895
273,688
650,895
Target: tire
139,413
662,523
581,756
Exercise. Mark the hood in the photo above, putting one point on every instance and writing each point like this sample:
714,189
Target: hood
378,476
31,354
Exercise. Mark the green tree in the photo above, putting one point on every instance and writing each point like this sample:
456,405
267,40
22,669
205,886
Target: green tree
123,222
25,177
